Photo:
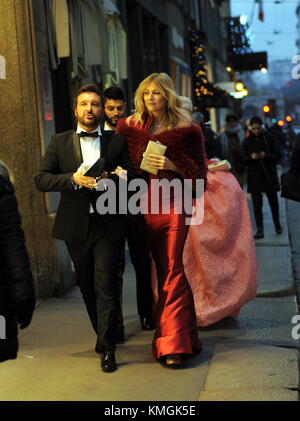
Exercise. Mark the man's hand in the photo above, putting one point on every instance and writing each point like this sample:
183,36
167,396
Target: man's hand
84,181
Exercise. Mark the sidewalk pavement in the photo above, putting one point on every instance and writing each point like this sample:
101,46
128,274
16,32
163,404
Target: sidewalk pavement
260,363
293,218
251,358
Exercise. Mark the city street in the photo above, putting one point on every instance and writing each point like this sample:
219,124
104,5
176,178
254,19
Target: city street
92,86
252,358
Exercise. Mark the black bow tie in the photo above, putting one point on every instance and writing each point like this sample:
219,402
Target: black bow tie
88,134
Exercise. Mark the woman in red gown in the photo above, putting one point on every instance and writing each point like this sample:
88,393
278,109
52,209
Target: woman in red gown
158,117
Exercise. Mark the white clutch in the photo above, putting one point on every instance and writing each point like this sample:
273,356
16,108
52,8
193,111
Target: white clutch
219,166
152,147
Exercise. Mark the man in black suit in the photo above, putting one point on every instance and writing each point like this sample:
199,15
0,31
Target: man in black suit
94,241
114,108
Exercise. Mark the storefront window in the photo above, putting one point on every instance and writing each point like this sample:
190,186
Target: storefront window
150,53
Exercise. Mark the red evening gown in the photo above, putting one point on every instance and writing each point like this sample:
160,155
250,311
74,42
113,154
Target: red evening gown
174,312
219,255
176,328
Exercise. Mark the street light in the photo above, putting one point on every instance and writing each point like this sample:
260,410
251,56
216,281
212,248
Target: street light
243,19
239,86
266,108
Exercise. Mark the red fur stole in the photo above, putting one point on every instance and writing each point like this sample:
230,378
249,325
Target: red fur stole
185,147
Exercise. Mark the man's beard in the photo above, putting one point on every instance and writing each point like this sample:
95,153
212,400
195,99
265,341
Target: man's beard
110,122
89,122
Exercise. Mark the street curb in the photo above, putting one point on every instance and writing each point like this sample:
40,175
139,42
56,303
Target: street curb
280,293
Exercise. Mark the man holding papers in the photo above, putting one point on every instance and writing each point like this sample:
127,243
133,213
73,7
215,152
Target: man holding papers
94,241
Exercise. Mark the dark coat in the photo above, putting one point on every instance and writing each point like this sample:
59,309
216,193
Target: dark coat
295,161
17,297
61,160
261,173
213,146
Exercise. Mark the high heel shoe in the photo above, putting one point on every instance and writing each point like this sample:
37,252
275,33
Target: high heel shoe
173,360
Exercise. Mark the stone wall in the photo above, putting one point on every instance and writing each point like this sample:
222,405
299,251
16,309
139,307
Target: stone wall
20,131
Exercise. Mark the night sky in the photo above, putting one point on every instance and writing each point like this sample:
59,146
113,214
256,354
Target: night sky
277,17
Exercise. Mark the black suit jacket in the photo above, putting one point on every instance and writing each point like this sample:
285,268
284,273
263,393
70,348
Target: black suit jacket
61,160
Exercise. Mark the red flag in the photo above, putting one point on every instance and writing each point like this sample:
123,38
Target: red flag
261,15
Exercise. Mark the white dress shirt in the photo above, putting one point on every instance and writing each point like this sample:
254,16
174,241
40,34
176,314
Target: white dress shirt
90,146
106,127
90,149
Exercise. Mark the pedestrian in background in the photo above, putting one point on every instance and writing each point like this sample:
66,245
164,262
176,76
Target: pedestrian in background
291,138
290,180
17,296
231,140
158,116
295,160
261,153
277,133
213,146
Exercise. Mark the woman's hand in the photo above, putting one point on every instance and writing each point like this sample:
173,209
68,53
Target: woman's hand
159,162
120,172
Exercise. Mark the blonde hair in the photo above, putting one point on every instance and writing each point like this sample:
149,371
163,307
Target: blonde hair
164,84
186,104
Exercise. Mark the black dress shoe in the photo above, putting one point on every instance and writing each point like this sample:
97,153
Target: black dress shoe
259,234
278,228
147,323
108,361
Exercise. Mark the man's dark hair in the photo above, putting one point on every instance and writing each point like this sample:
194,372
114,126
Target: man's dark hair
114,92
87,88
256,120
230,118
